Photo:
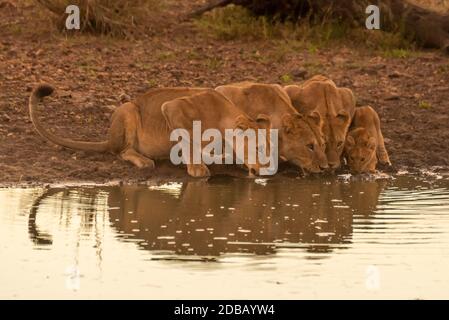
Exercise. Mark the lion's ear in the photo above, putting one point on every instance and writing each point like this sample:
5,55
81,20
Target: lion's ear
315,117
294,92
241,122
350,142
263,121
371,143
348,100
288,121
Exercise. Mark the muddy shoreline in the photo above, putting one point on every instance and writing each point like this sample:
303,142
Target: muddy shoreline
179,175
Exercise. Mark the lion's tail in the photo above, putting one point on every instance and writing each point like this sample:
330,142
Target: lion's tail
37,95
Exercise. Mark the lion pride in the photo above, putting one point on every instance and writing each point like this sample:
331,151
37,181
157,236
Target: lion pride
329,111
365,142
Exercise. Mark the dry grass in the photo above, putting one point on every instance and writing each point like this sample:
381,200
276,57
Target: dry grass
120,18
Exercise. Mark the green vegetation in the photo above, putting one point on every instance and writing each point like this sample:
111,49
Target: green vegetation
443,68
152,83
397,53
313,67
214,63
166,56
424,105
237,23
233,22
286,78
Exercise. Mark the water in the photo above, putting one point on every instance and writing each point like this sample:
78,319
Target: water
229,238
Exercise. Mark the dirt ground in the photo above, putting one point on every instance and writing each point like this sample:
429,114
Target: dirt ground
411,93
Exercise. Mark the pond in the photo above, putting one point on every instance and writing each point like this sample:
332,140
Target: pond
229,238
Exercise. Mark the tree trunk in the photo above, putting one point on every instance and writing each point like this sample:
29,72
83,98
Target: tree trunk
426,27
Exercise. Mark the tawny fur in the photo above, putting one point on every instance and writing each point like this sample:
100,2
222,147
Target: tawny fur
329,111
140,129
297,142
365,145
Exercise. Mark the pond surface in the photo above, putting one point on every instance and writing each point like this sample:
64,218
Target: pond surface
283,238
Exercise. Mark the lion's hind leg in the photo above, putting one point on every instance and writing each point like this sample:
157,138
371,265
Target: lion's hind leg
123,136
382,154
381,151
137,159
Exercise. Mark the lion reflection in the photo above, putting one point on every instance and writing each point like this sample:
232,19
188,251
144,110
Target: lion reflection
222,215
232,215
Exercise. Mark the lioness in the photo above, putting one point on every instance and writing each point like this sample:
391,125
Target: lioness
365,142
140,130
297,142
328,110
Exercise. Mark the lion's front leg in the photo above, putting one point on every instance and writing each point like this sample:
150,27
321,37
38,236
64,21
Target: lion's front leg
382,154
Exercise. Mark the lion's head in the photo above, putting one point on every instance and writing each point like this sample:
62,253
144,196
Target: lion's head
360,150
299,145
328,110
334,133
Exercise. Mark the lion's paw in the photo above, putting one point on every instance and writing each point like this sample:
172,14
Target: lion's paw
148,164
198,170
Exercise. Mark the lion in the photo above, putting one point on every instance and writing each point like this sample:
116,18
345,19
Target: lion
365,145
297,142
328,110
140,129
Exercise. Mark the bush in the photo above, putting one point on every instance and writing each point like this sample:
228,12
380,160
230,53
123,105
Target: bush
121,18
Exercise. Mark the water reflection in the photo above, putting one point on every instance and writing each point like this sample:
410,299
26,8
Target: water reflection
222,215
279,238
36,235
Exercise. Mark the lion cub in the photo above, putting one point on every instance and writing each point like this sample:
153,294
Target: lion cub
364,143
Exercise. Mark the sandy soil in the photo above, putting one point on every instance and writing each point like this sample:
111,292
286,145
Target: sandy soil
411,94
